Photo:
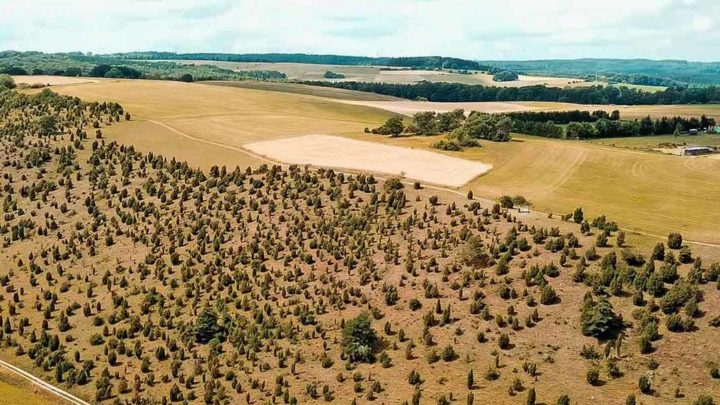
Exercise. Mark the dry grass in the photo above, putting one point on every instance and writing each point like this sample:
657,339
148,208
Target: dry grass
221,115
554,342
647,192
16,390
296,88
53,80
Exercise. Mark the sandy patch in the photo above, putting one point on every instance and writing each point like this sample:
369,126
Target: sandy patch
343,153
52,80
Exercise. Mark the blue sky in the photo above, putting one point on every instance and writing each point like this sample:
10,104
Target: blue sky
480,29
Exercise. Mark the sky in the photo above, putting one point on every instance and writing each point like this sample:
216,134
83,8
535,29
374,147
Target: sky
479,29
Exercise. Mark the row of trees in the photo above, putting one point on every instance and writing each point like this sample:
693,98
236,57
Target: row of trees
608,128
457,92
461,130
600,124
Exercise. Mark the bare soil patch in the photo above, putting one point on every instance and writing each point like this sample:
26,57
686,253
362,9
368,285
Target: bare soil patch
337,152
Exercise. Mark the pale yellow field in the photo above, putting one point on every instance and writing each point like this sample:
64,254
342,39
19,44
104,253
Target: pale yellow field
15,390
408,107
648,192
53,80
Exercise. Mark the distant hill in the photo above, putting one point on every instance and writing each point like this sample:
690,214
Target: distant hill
632,71
417,62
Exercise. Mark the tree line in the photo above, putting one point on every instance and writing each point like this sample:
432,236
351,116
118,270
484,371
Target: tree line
416,62
77,64
611,127
576,124
458,92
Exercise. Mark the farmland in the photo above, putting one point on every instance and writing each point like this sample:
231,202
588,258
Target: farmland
381,74
646,192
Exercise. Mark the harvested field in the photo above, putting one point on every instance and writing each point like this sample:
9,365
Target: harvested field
53,80
343,153
408,107
645,191
15,390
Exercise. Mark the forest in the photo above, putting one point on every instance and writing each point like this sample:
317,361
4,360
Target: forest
633,71
457,92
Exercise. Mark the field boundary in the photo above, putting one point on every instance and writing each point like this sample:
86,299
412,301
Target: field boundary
44,385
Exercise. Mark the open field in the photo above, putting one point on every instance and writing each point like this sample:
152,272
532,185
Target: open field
54,80
343,153
649,192
313,72
198,115
208,125
408,107
296,88
651,142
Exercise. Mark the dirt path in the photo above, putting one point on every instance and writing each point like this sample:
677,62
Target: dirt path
218,144
72,399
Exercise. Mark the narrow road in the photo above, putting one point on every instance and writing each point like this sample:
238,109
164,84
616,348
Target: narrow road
68,397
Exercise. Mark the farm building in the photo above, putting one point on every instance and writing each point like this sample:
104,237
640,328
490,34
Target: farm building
698,150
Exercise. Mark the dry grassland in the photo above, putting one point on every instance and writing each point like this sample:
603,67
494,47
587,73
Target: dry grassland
202,117
648,192
53,80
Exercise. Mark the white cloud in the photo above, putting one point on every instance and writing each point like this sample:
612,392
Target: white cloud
509,29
